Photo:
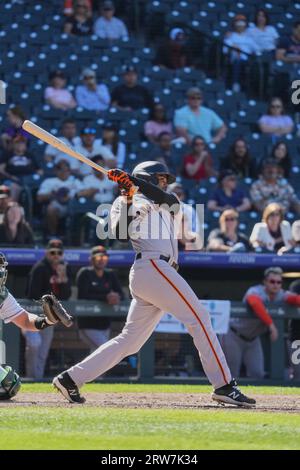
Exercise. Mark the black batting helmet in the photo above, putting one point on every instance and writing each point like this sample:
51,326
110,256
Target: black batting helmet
148,171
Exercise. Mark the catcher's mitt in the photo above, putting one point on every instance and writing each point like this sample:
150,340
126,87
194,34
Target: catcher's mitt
54,311
123,180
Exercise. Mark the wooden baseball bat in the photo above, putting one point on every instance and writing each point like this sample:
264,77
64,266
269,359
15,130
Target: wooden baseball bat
45,136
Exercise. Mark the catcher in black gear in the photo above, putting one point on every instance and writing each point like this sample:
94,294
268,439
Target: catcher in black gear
12,312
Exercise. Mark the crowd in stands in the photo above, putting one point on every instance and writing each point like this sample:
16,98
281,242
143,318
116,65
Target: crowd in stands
237,179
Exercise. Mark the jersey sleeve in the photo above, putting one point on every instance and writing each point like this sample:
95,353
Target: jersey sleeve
10,309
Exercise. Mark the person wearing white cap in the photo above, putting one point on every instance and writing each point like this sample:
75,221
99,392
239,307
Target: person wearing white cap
174,53
92,95
107,26
242,46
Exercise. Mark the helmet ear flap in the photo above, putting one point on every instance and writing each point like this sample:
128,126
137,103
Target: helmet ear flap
154,180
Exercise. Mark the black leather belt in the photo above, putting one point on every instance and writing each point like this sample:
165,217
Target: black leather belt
248,340
164,258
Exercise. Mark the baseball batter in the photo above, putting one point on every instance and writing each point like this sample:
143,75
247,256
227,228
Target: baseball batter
12,312
155,285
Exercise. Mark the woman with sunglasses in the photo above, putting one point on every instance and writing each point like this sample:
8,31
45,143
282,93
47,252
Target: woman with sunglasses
80,23
198,164
273,233
276,122
227,238
157,123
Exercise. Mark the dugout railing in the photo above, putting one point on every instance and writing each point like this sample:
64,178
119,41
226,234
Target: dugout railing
278,352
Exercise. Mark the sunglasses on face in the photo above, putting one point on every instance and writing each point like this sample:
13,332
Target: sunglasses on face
275,282
100,257
274,214
197,144
56,252
195,97
230,219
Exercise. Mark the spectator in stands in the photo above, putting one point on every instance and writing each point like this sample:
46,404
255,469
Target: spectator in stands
271,188
174,53
101,285
91,95
288,47
69,136
198,164
242,46
15,117
295,243
111,140
239,160
19,161
51,274
227,238
157,123
57,95
189,235
90,146
194,119
80,23
107,26
130,95
280,153
242,344
164,152
97,186
14,230
228,195
276,122
294,331
69,7
273,233
262,33
5,199
55,193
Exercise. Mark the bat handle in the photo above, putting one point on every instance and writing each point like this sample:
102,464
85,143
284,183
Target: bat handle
133,190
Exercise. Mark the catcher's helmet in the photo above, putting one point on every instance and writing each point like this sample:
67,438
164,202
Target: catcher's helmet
148,171
10,385
3,270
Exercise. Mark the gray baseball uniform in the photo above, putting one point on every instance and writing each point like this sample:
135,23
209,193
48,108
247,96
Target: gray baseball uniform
242,344
156,287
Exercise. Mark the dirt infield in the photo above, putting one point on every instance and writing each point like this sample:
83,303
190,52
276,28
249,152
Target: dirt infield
270,403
